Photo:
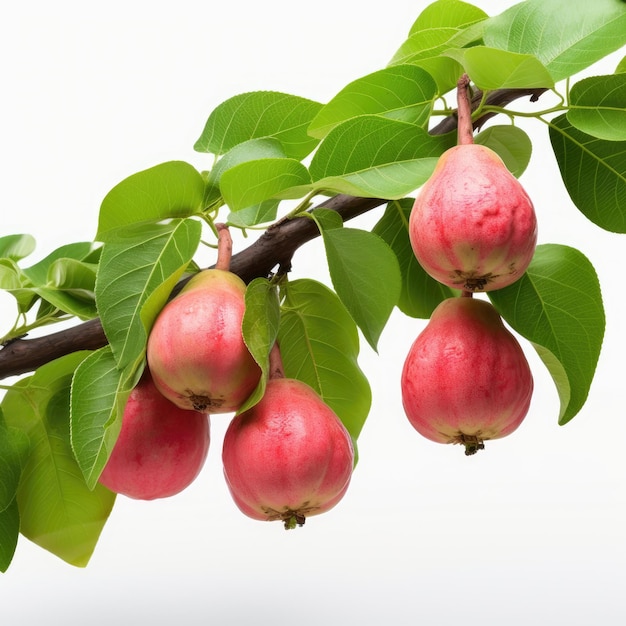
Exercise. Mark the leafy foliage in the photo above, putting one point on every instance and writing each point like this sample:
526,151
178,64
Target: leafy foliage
378,137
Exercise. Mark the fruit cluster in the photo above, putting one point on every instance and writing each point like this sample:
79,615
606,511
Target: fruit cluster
286,458
473,227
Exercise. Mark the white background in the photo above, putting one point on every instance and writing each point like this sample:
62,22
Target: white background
531,529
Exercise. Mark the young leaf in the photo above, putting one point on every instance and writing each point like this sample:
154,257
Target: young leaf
252,150
260,329
137,274
446,14
557,305
260,114
13,454
442,25
16,247
372,156
252,182
261,213
565,35
169,190
420,293
598,106
491,68
57,510
9,534
594,173
319,345
365,274
403,92
79,251
98,395
511,144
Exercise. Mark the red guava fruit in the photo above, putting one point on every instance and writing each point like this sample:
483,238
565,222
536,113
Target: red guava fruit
466,378
472,226
196,351
289,456
160,449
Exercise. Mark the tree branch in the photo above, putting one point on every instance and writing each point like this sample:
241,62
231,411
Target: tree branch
274,248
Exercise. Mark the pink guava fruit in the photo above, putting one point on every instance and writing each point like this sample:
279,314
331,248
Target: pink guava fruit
472,226
160,449
196,351
466,378
289,456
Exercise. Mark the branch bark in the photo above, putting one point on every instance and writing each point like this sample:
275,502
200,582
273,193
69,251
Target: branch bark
275,247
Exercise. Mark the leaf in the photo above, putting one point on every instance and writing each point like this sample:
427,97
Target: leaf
16,247
598,107
261,213
621,66
594,173
252,150
9,534
14,446
565,35
511,144
137,274
253,182
79,251
372,156
169,190
557,305
442,25
447,13
420,293
365,275
491,68
403,92
98,395
260,329
57,510
319,345
260,114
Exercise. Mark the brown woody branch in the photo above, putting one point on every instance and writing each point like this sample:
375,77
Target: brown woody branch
275,247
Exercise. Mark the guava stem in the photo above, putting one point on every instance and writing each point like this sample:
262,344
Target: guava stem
466,294
276,362
224,247
465,129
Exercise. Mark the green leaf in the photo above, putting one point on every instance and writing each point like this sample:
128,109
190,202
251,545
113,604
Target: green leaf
447,13
80,251
365,274
14,446
442,25
260,114
261,213
169,190
319,345
598,107
98,396
621,66
16,247
491,68
594,173
137,274
57,510
420,293
372,156
403,92
511,143
252,150
260,329
252,182
9,534
565,35
557,305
